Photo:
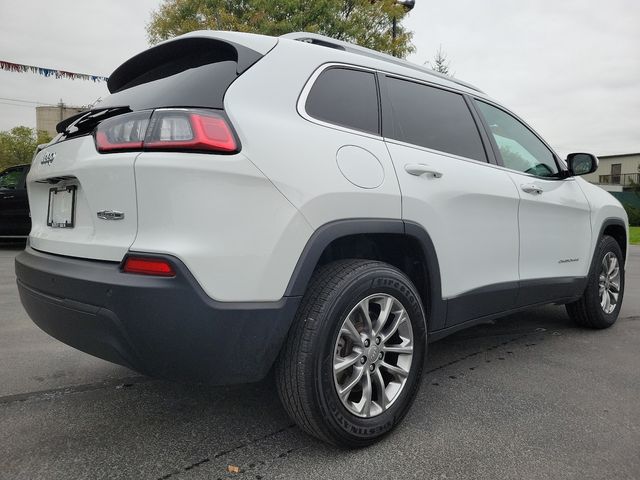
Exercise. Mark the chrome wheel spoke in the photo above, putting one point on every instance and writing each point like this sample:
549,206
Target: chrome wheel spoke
385,310
610,302
355,380
399,319
347,362
349,329
605,301
381,389
364,308
401,349
366,396
395,370
613,264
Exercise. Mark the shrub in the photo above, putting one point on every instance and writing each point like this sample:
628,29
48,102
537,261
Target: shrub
634,215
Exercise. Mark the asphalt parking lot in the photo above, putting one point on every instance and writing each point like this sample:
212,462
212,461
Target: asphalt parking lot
530,396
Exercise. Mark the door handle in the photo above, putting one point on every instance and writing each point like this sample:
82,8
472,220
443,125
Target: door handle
419,169
7,197
532,189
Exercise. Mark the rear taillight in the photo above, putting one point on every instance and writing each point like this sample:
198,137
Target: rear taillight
124,132
148,266
167,130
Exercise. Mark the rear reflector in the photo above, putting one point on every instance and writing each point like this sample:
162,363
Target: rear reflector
148,266
167,130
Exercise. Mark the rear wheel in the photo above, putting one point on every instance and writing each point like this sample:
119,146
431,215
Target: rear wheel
351,365
600,304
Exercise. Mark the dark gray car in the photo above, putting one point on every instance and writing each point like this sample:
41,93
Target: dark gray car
15,221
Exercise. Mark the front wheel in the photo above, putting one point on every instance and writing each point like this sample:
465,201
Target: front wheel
600,304
352,363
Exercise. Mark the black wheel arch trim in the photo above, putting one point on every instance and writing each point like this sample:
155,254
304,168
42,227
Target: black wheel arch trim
613,221
436,309
441,313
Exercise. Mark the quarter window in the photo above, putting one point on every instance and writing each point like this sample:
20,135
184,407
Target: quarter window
345,97
432,118
520,149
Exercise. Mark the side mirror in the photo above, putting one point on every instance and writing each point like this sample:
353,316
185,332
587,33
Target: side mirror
582,163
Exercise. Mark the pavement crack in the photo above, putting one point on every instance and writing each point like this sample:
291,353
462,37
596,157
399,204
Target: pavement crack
60,391
234,449
484,350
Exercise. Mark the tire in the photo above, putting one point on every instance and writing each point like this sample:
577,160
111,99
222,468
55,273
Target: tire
305,376
591,310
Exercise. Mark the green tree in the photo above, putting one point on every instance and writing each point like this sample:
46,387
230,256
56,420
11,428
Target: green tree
18,145
441,63
365,22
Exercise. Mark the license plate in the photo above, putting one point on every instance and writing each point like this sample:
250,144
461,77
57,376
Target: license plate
62,206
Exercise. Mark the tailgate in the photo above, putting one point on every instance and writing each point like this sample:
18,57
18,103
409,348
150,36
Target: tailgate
102,184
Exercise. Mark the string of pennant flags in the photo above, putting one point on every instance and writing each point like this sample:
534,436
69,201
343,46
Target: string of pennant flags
49,72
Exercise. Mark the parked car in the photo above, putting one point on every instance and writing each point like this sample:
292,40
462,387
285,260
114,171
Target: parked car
242,202
14,204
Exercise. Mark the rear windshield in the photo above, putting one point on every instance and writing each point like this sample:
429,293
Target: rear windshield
194,73
202,86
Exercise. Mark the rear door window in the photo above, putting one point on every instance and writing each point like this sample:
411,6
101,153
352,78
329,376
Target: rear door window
432,118
345,97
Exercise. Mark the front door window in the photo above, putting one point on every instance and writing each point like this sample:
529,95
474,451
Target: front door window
520,148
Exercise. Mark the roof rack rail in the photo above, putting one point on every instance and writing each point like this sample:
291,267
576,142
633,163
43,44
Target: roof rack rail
329,42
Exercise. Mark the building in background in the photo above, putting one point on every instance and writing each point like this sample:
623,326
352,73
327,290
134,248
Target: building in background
617,173
48,117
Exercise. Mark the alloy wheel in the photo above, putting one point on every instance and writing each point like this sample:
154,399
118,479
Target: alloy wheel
373,355
609,283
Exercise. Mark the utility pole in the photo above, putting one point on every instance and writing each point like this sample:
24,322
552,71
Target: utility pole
61,106
408,6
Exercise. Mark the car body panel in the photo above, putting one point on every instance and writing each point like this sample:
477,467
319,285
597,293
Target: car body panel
555,228
104,182
223,218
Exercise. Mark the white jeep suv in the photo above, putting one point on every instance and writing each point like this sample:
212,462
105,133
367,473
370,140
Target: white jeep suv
242,202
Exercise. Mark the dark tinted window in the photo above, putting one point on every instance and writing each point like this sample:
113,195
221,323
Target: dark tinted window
189,73
432,118
202,86
520,149
345,97
10,178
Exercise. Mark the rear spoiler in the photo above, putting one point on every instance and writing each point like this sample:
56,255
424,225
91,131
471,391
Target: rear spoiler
64,124
206,46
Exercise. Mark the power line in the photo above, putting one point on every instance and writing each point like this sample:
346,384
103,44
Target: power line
16,105
26,101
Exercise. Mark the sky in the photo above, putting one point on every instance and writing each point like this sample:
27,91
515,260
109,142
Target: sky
570,68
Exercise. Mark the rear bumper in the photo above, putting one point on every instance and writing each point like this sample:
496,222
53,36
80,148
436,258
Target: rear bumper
163,327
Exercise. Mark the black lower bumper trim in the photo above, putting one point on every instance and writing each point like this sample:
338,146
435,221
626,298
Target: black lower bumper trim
163,327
